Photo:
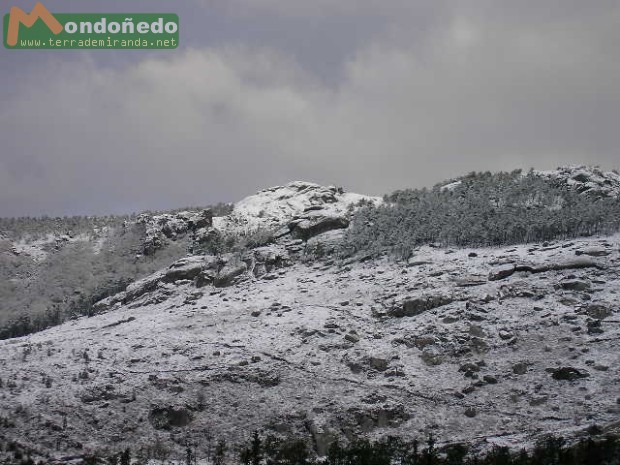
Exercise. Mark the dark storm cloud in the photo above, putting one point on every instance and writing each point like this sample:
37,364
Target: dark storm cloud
370,95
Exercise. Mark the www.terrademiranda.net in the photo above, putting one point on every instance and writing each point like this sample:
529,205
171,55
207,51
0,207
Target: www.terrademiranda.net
144,34
108,42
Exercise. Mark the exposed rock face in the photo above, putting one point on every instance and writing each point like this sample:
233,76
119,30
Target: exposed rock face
226,276
470,412
160,228
432,356
378,363
598,311
416,305
315,223
497,274
519,368
568,374
502,273
575,285
270,258
187,268
170,417
238,375
98,393
594,252
139,288
384,417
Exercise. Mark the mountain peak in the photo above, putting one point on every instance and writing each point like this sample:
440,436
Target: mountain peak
275,206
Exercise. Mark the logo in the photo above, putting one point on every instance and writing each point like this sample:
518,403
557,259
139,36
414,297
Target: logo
19,16
41,29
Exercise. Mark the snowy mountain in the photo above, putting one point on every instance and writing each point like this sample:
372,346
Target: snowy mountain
55,268
486,345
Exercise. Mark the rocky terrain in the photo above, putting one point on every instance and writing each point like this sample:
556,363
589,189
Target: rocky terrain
486,345
586,180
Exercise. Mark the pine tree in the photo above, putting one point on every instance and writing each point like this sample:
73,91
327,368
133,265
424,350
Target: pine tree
125,458
190,456
220,452
256,449
430,454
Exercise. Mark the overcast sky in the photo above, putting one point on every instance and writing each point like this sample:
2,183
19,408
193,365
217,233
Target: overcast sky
372,95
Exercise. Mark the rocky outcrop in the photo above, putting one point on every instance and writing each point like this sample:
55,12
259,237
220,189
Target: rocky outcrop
170,226
586,179
226,276
432,356
502,272
568,374
594,252
414,306
598,311
315,223
204,270
189,268
379,363
379,417
577,264
166,418
566,264
299,209
141,287
242,374
270,258
575,285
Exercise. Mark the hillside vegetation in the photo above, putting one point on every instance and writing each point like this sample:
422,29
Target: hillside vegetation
54,269
482,209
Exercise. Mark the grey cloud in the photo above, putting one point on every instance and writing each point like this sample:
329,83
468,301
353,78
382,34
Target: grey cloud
480,85
314,9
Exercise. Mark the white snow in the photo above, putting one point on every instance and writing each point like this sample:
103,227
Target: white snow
227,344
451,186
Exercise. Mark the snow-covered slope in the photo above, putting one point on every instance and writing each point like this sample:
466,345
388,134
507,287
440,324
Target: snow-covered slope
38,249
495,345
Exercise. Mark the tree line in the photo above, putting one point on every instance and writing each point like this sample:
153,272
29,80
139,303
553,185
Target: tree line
483,209
594,449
